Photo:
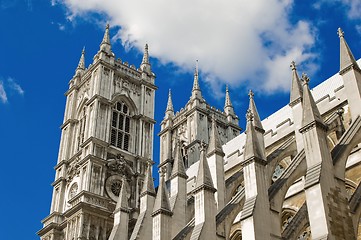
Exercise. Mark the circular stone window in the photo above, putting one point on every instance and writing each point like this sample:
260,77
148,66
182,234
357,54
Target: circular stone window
73,190
112,186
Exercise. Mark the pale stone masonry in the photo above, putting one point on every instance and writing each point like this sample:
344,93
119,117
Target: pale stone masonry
294,175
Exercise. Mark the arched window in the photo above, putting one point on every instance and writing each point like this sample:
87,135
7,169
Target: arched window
120,130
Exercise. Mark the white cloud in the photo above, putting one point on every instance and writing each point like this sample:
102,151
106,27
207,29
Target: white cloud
15,86
3,96
8,87
236,41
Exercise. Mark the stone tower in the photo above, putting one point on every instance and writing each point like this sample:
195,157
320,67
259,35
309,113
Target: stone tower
192,125
105,148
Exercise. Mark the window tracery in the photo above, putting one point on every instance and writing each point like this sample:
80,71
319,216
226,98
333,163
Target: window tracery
120,126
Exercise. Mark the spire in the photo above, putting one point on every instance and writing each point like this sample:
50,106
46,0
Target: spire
161,203
170,108
296,88
148,186
228,107
252,107
105,44
178,166
310,110
204,177
252,147
228,99
145,65
146,55
196,82
196,90
81,65
122,202
215,145
347,59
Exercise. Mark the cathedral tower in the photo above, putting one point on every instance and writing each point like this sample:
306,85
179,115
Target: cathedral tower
106,145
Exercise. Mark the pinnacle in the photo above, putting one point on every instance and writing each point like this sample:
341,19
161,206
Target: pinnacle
296,88
145,65
196,90
105,44
346,57
178,166
161,201
215,145
170,103
252,147
204,177
228,103
148,187
122,200
310,111
81,64
196,79
252,107
146,54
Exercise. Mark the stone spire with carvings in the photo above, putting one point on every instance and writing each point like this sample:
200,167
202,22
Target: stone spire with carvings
296,88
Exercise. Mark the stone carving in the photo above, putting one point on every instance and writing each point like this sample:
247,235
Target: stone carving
73,170
96,201
124,84
119,166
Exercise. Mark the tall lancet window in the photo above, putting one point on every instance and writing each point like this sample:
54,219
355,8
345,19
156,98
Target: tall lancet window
82,124
120,131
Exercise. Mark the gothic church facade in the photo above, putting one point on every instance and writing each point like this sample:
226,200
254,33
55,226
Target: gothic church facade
294,175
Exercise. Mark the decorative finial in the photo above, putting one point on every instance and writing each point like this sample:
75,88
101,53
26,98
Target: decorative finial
227,88
250,94
305,78
107,26
293,65
83,51
340,32
249,115
196,69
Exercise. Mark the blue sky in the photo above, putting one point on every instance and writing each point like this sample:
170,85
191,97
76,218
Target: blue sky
241,44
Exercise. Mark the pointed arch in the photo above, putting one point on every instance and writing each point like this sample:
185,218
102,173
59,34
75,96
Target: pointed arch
124,96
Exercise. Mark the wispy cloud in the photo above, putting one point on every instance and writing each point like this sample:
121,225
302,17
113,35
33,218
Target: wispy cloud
15,86
228,37
3,96
9,87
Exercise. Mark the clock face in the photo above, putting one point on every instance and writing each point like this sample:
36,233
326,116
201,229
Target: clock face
113,186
